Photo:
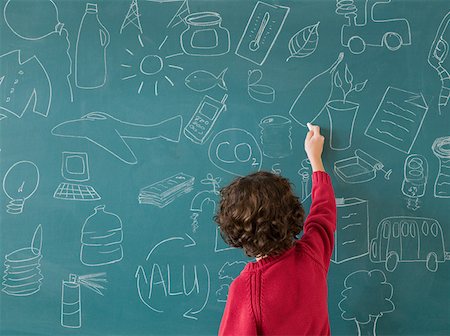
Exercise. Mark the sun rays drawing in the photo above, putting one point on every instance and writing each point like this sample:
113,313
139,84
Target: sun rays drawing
150,67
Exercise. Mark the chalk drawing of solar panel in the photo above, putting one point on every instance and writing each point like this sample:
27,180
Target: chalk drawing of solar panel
398,119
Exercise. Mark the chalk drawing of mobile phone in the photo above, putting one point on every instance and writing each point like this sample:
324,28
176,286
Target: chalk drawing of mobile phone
204,118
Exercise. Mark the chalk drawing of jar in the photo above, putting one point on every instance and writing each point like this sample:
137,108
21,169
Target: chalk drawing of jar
276,136
101,238
342,115
205,35
441,148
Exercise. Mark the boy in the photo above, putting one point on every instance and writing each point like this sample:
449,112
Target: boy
285,291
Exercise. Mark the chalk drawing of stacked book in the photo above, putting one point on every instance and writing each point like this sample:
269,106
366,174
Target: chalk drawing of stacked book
23,273
163,192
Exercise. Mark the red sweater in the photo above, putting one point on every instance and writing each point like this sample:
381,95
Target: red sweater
287,294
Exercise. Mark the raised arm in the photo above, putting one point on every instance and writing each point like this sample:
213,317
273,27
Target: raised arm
320,224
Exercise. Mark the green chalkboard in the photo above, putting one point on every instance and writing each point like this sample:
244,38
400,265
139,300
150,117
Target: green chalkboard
121,120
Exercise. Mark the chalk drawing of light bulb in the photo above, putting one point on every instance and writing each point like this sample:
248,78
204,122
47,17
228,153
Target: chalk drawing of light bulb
20,183
17,18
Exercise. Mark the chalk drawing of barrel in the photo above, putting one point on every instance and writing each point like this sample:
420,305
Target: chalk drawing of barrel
276,136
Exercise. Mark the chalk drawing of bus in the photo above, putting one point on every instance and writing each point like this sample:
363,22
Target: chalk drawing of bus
409,239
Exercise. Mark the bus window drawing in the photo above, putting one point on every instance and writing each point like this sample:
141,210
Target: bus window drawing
19,184
235,151
132,18
398,119
150,65
304,42
441,149
181,288
305,173
17,18
111,133
314,96
276,137
409,239
24,85
202,80
205,35
90,50
439,59
367,296
261,32
164,192
75,168
364,29
343,112
260,92
22,275
71,296
101,238
415,178
227,273
352,233
359,168
205,116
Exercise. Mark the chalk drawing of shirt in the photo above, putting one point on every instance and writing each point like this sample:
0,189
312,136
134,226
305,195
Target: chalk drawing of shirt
23,83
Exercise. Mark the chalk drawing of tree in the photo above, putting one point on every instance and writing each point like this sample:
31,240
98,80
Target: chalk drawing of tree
367,296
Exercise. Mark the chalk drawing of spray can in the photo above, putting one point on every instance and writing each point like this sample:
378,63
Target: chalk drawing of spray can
71,303
441,148
276,136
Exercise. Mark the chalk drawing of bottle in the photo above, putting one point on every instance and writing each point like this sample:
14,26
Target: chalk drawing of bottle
71,296
441,148
101,238
90,54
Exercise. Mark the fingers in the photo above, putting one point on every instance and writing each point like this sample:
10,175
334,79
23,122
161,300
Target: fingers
314,129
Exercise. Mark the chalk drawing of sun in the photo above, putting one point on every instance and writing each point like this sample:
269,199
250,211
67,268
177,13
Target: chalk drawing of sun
150,66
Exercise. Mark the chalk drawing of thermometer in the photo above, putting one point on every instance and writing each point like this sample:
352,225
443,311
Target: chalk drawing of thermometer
254,44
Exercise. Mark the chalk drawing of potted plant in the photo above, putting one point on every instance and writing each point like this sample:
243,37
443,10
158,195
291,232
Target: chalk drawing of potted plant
342,112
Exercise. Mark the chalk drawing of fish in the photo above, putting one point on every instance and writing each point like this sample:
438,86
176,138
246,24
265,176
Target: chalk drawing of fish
202,80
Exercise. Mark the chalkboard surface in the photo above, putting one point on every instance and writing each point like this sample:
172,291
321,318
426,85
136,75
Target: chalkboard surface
121,120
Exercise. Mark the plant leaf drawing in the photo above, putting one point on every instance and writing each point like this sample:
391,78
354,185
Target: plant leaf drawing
304,42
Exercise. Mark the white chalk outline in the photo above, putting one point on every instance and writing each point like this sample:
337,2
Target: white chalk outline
280,130
132,16
305,173
370,316
110,235
345,222
218,80
369,20
265,25
199,127
415,179
35,93
398,228
436,61
35,248
104,40
205,51
300,118
309,35
369,163
144,281
255,158
442,154
387,137
180,14
117,134
260,92
16,204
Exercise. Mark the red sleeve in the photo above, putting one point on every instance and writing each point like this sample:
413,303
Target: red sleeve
238,319
320,224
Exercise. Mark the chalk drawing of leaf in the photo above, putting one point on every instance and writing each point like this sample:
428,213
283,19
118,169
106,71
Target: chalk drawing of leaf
304,42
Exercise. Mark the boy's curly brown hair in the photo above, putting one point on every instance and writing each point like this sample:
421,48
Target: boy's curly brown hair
260,213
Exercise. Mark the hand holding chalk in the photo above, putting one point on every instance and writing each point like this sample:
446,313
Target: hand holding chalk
314,147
